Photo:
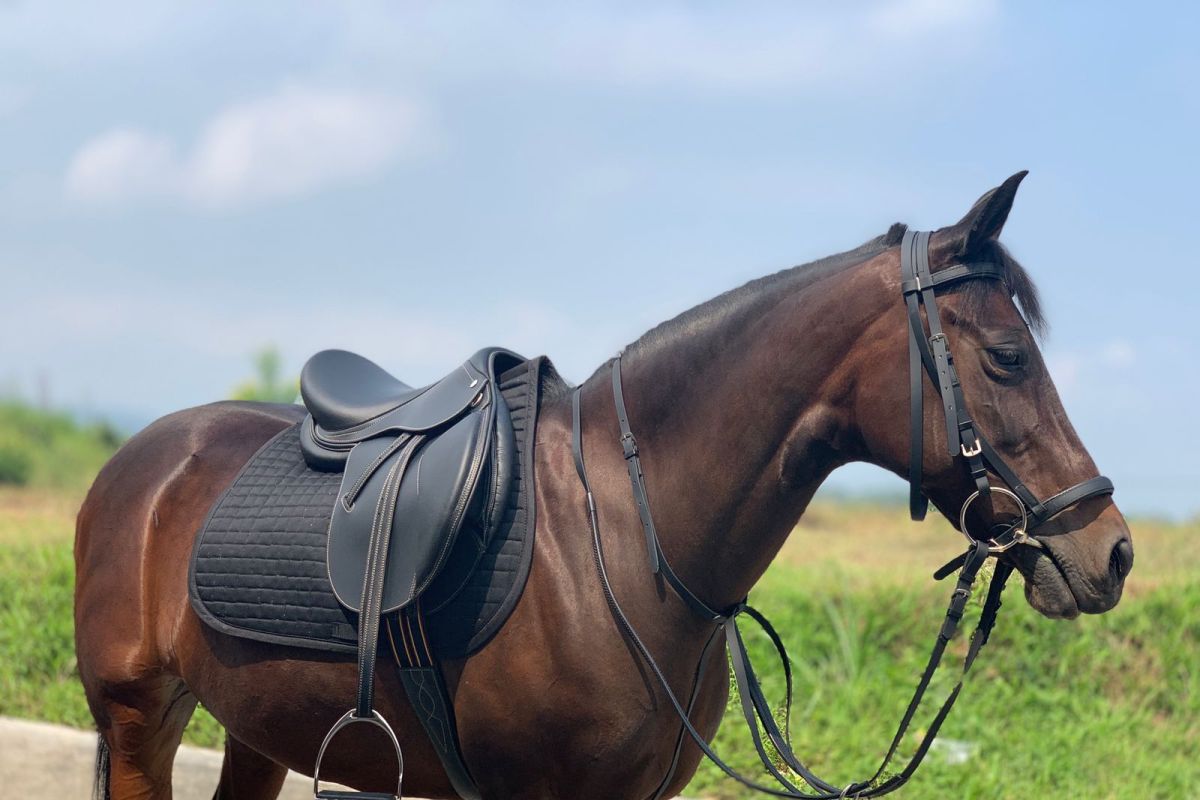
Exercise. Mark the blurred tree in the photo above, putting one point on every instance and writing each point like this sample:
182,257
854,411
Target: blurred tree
108,434
267,386
51,449
16,465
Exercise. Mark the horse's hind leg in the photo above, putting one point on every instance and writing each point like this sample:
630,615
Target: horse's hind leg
142,721
248,775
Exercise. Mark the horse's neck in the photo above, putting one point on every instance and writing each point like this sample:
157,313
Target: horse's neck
738,426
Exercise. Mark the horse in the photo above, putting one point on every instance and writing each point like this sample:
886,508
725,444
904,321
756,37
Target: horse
743,406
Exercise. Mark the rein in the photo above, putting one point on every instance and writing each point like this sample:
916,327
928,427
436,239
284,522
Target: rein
931,355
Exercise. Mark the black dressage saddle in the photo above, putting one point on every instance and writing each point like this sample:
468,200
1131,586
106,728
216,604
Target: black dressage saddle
416,464
390,514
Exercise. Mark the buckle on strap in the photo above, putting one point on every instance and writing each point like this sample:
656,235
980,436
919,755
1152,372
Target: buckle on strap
629,445
974,450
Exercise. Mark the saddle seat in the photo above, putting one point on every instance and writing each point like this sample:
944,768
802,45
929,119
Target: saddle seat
342,389
351,399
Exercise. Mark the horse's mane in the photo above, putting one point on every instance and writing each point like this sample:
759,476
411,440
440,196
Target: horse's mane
762,291
758,292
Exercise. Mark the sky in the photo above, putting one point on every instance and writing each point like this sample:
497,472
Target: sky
184,184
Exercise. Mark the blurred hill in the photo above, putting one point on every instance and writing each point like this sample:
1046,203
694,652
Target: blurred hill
42,449
54,449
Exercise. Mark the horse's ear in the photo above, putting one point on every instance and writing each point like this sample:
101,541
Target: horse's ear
986,218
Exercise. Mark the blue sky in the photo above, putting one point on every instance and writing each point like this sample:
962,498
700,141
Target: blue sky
183,184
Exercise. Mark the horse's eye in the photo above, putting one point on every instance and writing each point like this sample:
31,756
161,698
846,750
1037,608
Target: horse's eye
1007,358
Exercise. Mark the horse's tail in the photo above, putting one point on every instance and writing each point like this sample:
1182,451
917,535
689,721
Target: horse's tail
100,789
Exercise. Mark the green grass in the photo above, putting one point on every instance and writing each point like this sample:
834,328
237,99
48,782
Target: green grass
1101,707
37,648
1104,706
38,678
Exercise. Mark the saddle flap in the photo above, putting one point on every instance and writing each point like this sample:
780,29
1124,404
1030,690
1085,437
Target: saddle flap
435,492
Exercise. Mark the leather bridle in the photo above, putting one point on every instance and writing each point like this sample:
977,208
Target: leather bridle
928,355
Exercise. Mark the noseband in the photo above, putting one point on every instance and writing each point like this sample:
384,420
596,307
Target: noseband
928,354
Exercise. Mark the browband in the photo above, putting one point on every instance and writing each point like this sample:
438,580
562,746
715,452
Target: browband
954,274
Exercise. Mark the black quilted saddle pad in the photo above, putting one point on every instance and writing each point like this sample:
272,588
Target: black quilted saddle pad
258,567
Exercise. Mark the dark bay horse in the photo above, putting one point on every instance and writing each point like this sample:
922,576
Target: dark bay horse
743,406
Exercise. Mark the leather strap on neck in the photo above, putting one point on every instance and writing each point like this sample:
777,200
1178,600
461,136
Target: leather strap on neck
633,464
918,505
755,706
658,560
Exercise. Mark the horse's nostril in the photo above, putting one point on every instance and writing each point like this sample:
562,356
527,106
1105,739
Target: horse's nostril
1121,560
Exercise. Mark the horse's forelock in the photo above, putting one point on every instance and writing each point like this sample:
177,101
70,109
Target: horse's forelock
1019,282
1016,278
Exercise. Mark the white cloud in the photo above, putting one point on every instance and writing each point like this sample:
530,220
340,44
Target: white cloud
298,140
676,45
295,142
801,46
123,163
910,18
663,43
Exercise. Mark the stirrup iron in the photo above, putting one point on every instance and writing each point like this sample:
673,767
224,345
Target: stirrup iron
346,721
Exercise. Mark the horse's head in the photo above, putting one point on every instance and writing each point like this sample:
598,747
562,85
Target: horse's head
1086,550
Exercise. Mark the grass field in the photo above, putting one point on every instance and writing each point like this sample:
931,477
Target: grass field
1102,707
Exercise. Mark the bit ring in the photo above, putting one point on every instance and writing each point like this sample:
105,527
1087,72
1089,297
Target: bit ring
1017,533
